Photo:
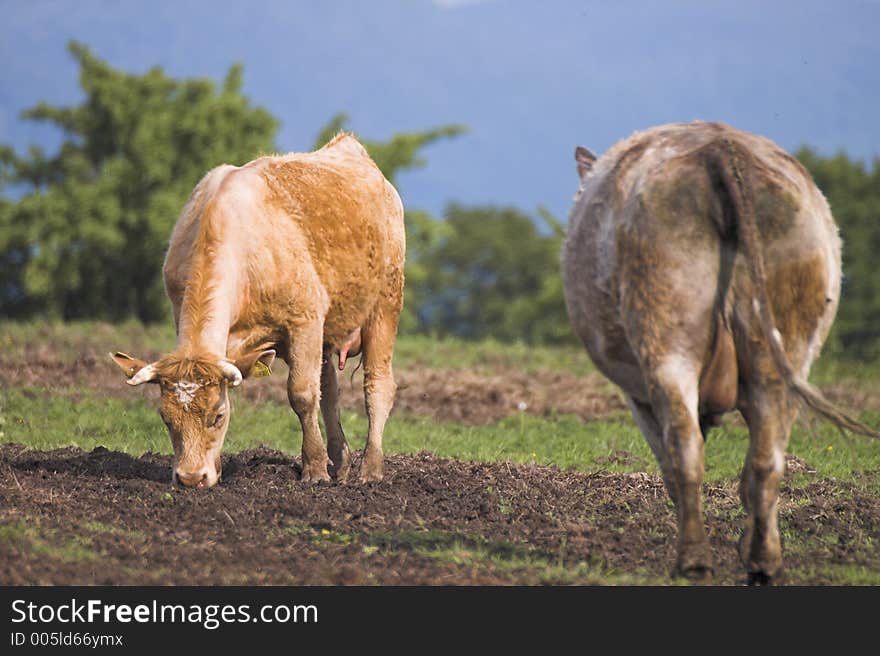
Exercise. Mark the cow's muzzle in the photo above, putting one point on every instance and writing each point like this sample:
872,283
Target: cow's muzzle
199,478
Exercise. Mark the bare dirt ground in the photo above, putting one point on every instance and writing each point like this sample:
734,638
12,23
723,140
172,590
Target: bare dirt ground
102,517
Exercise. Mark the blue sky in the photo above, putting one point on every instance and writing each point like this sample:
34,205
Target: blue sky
530,79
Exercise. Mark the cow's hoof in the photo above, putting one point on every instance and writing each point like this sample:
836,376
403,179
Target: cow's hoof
339,470
372,474
759,579
371,477
696,573
695,564
372,467
315,474
774,574
764,579
764,565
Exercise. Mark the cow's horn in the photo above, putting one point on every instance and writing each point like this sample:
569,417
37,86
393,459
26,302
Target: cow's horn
231,372
145,375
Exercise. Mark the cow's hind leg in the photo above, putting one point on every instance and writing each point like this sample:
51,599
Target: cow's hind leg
674,399
647,423
337,447
770,414
379,334
304,393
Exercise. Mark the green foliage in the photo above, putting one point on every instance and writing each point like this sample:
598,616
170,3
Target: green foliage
423,234
88,238
853,191
492,272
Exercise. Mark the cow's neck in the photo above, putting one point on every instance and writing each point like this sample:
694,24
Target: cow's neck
208,307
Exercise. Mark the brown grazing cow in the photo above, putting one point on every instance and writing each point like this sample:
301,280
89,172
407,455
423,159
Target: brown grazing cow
299,255
702,272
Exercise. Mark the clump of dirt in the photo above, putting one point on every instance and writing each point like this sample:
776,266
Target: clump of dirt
102,517
793,464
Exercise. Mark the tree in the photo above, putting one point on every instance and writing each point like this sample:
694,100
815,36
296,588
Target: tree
853,192
493,273
88,237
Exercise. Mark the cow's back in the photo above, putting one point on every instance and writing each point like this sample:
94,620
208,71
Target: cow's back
293,236
335,223
657,192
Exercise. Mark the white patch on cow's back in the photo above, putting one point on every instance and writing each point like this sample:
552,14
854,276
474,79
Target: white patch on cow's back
185,392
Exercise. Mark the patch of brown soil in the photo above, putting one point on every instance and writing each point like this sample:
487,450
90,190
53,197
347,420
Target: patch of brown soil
456,395
431,521
471,398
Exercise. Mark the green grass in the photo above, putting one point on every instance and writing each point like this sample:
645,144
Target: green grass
832,368
839,573
51,419
47,543
478,553
102,528
42,419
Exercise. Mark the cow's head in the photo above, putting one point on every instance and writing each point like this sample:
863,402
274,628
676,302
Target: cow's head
195,405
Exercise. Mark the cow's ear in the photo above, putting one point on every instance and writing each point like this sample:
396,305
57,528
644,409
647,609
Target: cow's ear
132,366
585,160
256,363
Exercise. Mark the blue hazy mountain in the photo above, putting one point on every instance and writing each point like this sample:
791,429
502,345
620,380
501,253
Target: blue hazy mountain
530,79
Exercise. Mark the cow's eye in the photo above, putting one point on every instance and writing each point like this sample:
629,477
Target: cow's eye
218,419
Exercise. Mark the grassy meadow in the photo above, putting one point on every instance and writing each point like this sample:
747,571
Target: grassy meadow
52,415
59,389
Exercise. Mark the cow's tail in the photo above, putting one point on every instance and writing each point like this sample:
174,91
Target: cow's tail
730,166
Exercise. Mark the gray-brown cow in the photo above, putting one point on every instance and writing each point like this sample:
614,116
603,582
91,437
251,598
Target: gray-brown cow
702,272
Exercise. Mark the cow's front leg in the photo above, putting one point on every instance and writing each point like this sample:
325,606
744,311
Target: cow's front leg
337,447
304,393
